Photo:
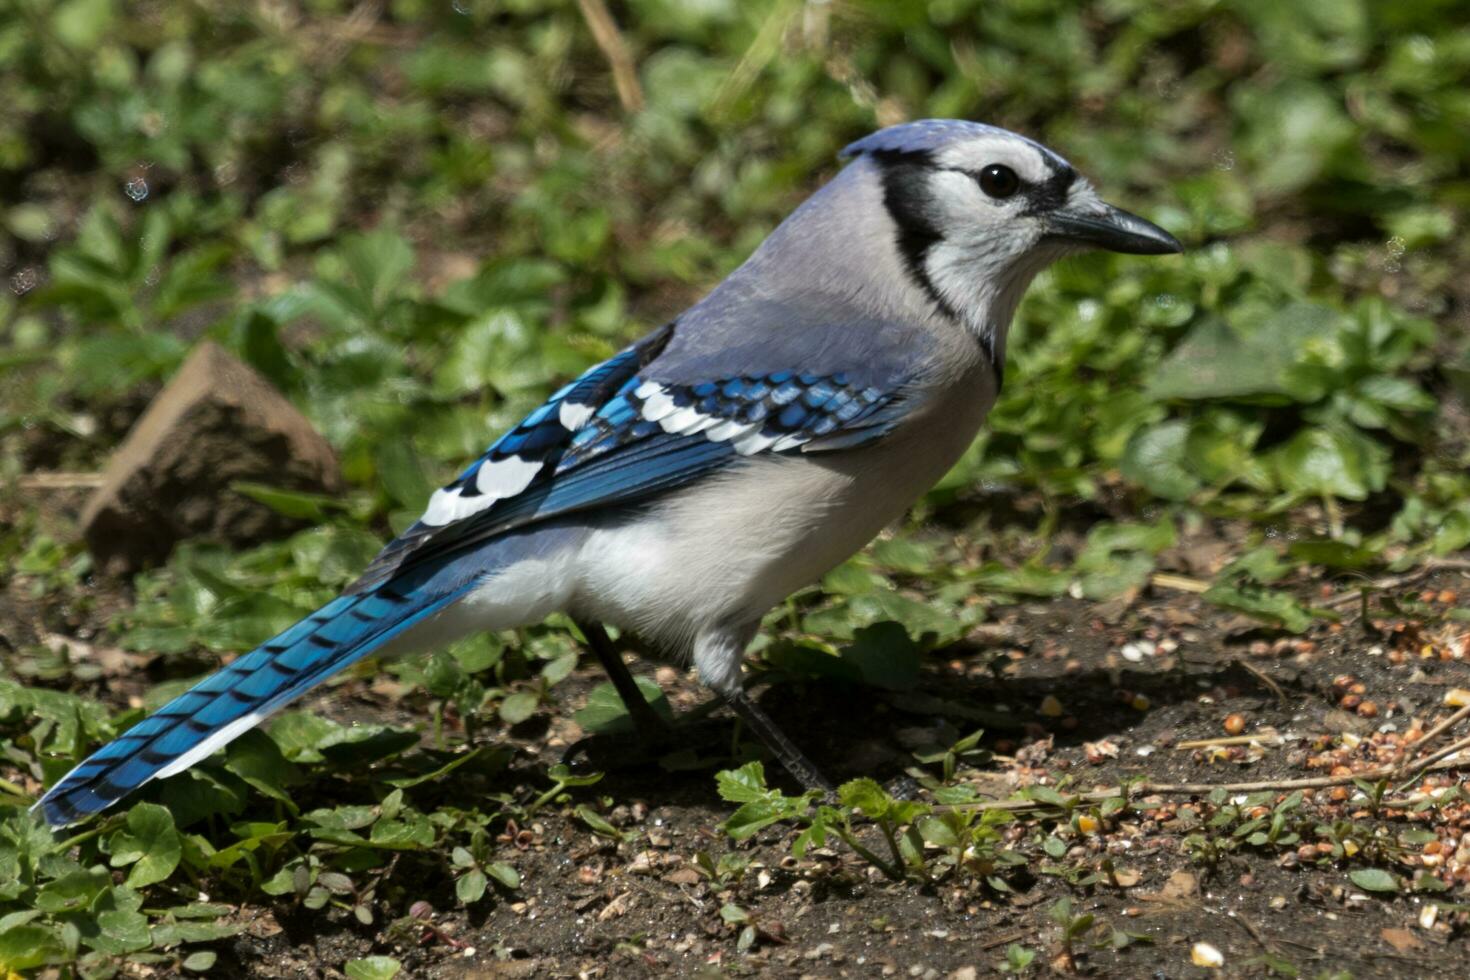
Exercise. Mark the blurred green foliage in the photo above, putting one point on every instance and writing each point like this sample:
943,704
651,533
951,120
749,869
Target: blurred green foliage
417,218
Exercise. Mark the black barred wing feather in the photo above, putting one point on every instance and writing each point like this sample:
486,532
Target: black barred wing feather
640,438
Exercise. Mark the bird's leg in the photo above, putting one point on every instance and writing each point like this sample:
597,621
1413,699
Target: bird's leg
649,724
785,750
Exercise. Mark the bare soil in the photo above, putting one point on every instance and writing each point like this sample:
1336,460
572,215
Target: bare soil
589,906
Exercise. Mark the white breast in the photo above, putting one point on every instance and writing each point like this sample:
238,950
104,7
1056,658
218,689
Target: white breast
726,550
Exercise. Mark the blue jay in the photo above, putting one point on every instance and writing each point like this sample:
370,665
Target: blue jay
689,483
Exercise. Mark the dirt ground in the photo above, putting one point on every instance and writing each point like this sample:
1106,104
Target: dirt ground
590,906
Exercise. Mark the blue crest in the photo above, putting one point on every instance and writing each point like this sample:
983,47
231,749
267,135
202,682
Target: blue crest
928,135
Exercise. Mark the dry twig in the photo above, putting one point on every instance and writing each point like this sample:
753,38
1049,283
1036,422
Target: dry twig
1266,737
1264,678
1397,581
60,481
1202,789
1179,583
614,48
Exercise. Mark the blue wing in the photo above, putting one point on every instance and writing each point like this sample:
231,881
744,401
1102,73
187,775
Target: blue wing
613,436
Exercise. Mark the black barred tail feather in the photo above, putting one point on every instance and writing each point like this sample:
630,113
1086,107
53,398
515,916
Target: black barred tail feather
231,701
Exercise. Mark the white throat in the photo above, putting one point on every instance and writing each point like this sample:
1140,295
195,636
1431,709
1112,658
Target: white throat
985,292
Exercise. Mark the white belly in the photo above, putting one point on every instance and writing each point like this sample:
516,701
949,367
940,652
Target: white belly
726,550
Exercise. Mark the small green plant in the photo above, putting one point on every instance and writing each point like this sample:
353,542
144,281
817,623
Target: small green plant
1072,924
1018,960
917,842
724,873
967,749
477,868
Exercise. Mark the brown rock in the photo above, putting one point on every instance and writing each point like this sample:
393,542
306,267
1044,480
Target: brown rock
216,422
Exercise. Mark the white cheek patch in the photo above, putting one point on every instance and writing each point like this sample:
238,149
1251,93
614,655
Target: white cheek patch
963,209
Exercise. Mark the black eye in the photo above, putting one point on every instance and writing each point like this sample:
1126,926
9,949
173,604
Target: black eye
998,180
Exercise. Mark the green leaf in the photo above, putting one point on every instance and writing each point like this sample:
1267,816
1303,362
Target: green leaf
518,707
597,822
866,795
378,262
121,931
201,961
744,785
810,660
1275,607
25,947
434,774
1250,356
1156,458
470,887
504,874
256,758
150,844
605,711
1336,462
753,817
73,891
1374,880
733,914
885,656
1028,579
936,831
290,503
372,968
81,24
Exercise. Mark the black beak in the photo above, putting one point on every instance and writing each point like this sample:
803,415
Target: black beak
1113,229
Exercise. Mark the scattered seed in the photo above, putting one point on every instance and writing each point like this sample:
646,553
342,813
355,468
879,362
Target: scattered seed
1207,956
1234,724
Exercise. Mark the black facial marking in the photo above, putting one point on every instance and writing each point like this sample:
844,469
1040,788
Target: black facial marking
906,196
1051,193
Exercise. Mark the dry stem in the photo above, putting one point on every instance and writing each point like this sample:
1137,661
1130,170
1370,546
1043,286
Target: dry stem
610,42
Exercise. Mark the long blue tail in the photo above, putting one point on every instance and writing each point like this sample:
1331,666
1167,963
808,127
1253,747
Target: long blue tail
231,701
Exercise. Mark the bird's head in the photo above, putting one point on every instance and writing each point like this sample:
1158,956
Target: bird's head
980,210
